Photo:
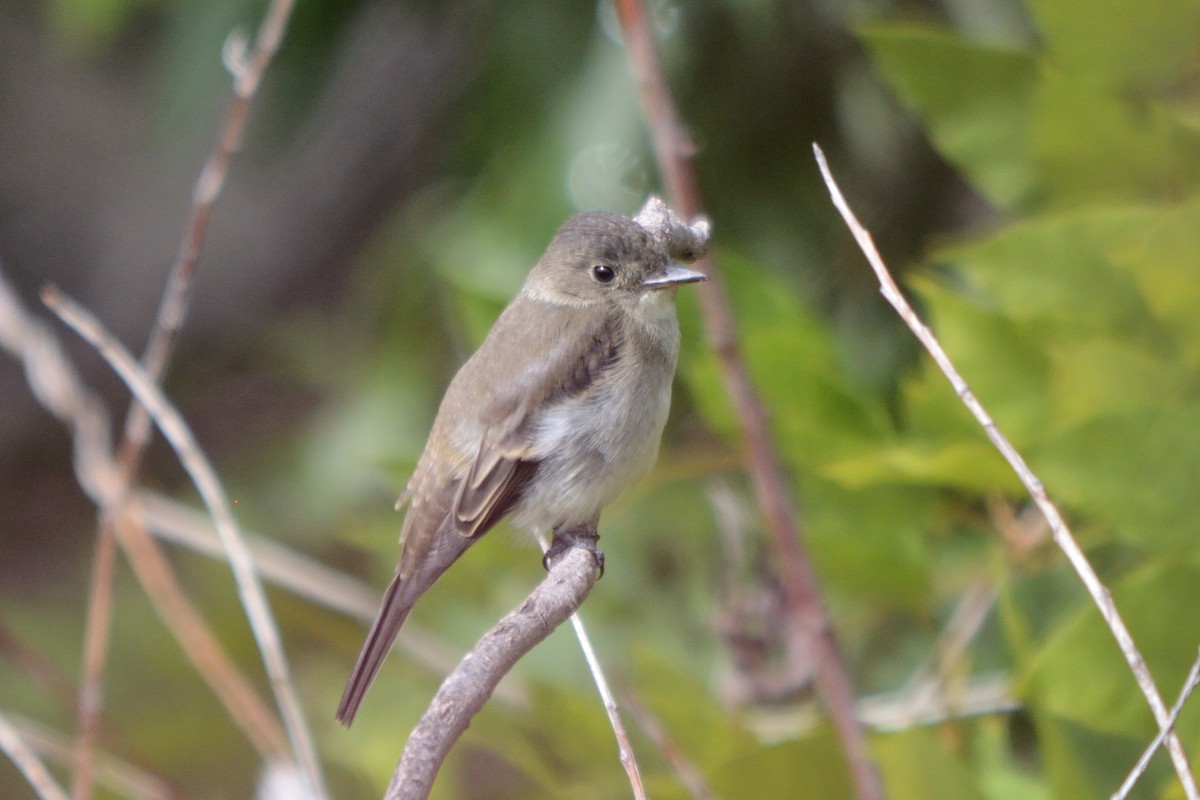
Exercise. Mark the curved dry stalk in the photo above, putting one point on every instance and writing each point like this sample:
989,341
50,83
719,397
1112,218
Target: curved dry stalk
197,640
472,682
247,71
687,772
12,743
121,778
1058,527
250,590
1189,686
57,387
305,577
810,632
624,748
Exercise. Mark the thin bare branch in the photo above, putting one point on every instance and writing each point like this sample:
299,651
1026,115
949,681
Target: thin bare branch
22,755
624,748
305,577
95,656
174,522
468,687
689,775
977,696
57,387
250,590
810,630
933,676
123,779
1189,686
240,700
247,71
1059,531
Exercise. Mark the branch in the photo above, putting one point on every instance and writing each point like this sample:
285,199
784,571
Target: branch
687,772
810,631
121,778
468,687
28,763
247,70
624,748
1189,686
57,387
250,590
1058,527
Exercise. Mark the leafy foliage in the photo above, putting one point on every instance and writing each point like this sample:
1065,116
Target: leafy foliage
1060,321
1071,312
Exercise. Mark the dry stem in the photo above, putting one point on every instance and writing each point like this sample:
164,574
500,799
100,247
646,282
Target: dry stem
469,686
1060,532
810,628
12,743
177,433
247,71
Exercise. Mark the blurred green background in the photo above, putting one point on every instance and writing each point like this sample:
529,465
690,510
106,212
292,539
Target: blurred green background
1029,169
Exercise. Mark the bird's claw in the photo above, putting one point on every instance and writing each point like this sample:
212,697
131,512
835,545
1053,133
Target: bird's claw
564,540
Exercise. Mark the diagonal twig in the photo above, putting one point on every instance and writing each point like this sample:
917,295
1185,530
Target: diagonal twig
1058,527
624,748
1189,686
810,628
35,772
687,772
468,687
305,577
247,71
121,778
250,590
58,388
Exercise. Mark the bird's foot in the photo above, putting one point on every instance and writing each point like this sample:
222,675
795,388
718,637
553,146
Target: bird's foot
586,537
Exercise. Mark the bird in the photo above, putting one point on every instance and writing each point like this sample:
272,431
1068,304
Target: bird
557,412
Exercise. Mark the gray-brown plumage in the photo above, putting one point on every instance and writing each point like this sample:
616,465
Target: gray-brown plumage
559,409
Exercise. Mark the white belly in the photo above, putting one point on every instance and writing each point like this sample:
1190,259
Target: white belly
591,448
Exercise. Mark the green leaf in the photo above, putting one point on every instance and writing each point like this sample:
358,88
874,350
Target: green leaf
976,101
1163,265
916,767
1004,363
1136,472
1057,270
1120,44
816,412
704,731
1104,377
963,464
1108,700
814,763
1080,763
92,24
871,543
1094,145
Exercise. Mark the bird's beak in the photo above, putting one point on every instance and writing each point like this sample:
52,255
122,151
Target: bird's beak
673,275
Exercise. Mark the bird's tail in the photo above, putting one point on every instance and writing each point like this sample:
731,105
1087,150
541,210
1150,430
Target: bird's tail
392,613
398,600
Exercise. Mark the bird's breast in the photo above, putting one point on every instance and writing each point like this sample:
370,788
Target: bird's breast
592,446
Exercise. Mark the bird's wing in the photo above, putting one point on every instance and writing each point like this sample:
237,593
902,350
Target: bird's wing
568,353
456,497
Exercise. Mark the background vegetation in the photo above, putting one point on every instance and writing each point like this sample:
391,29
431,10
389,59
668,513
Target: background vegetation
1034,167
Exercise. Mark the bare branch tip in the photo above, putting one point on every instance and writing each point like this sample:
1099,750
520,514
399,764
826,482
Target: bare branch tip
235,54
51,295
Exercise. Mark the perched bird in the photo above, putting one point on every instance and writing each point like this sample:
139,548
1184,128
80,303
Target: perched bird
558,411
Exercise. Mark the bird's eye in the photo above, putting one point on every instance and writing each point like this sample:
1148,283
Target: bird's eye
603,273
